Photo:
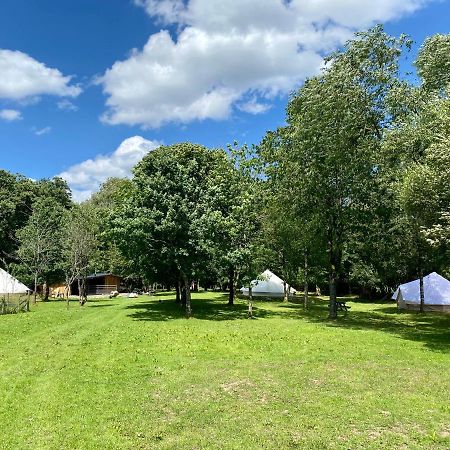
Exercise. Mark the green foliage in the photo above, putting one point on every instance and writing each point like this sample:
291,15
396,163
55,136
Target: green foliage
18,194
79,242
433,63
169,225
40,241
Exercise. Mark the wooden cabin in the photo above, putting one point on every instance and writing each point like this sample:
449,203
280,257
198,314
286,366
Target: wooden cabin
99,284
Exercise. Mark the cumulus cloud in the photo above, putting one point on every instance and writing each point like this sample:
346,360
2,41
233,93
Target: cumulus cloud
10,115
22,77
86,177
254,107
225,51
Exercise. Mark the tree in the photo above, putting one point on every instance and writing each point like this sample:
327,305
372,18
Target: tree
417,147
247,252
335,127
169,226
40,241
79,248
16,198
103,205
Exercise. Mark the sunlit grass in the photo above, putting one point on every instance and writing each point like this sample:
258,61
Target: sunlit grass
134,374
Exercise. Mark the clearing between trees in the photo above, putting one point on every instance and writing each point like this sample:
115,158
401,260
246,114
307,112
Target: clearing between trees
128,374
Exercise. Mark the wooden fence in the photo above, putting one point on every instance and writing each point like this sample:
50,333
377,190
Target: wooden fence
8,306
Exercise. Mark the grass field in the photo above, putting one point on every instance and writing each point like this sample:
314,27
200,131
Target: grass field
134,374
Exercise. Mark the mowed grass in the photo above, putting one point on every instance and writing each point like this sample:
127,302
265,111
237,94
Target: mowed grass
134,374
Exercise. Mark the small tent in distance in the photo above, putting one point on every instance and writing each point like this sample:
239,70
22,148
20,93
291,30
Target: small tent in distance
11,285
269,285
436,294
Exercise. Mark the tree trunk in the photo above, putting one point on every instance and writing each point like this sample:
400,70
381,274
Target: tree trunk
187,293
35,289
306,287
332,272
333,295
285,286
231,293
250,302
46,292
82,290
178,292
67,293
422,293
286,292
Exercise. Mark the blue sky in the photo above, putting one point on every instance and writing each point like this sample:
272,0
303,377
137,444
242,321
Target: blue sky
78,78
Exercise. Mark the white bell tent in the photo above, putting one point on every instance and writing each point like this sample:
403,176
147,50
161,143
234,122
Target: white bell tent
436,294
10,285
269,285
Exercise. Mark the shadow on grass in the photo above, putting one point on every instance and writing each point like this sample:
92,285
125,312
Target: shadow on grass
204,308
95,305
432,329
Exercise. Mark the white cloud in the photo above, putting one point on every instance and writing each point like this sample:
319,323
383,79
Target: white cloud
86,177
10,115
254,107
66,105
227,50
41,131
22,77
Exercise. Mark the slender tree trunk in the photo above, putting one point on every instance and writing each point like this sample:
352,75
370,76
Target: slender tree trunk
67,292
332,272
333,296
285,286
46,292
285,292
306,287
250,302
231,293
35,288
422,293
187,290
183,295
82,290
178,292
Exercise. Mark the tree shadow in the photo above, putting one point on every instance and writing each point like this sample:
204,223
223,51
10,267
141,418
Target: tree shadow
215,309
99,306
432,329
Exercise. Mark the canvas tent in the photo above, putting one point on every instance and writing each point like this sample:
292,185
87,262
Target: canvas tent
436,294
268,286
10,285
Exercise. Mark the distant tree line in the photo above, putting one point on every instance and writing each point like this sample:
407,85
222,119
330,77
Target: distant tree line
351,195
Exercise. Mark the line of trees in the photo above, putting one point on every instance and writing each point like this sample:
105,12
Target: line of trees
350,195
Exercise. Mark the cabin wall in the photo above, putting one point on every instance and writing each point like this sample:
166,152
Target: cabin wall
113,280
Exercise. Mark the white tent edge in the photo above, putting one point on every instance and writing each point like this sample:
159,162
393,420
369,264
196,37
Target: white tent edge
11,285
270,285
436,290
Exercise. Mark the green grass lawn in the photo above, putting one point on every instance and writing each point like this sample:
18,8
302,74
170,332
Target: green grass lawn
134,374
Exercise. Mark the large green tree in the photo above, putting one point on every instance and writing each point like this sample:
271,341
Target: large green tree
170,226
336,123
